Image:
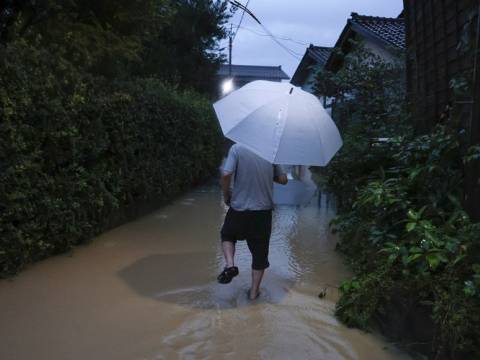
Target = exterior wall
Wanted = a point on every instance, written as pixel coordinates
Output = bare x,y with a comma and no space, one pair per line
374,48
443,41
378,50
308,84
434,31
298,171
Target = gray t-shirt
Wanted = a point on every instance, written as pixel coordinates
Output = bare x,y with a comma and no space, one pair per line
252,179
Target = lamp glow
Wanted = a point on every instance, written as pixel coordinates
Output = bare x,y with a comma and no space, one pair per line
227,86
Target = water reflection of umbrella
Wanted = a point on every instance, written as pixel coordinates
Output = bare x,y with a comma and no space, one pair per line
280,122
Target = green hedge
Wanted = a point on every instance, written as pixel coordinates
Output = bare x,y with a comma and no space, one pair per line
74,151
414,250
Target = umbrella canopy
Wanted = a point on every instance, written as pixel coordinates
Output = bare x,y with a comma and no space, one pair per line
279,122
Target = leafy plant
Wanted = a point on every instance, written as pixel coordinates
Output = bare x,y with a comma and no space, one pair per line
400,215
87,129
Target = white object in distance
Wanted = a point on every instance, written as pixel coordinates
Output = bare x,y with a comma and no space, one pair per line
227,86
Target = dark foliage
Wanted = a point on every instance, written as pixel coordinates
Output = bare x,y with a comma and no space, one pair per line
401,221
83,135
176,41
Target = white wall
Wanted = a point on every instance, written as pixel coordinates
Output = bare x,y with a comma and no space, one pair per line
308,85
378,50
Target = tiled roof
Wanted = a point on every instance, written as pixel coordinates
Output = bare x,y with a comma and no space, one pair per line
320,53
388,33
389,30
253,71
314,55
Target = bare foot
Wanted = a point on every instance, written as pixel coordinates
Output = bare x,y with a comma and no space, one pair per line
253,295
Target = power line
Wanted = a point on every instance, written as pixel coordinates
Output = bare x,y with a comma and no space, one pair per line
288,50
277,37
272,36
280,37
241,19
244,8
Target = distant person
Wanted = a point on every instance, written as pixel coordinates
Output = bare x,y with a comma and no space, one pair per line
247,184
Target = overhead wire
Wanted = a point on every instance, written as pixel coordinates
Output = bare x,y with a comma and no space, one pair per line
241,19
280,37
244,8
268,32
283,46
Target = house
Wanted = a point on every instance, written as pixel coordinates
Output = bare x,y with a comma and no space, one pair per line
315,57
443,65
235,76
384,37
381,36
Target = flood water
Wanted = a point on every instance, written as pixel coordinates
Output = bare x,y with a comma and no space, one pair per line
148,290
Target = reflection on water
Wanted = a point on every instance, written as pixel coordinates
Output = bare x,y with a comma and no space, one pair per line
147,290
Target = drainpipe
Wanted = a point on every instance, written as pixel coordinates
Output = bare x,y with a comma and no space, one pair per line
230,45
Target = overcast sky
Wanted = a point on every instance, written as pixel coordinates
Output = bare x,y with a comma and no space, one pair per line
319,22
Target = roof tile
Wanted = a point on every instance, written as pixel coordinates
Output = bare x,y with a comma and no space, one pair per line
270,72
390,30
320,53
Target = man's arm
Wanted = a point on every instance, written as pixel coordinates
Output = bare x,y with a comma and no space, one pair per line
225,181
229,168
281,179
279,175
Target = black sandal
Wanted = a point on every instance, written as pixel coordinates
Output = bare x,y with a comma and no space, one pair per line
227,275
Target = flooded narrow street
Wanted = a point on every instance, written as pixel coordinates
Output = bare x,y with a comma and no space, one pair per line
148,290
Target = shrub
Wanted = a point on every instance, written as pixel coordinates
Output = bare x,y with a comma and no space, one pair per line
75,150
400,218
407,233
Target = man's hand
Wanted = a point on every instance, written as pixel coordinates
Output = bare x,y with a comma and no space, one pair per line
281,179
227,198
227,195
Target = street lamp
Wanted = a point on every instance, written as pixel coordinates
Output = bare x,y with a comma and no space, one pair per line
227,86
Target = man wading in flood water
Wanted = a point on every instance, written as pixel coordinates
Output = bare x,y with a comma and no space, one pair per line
249,216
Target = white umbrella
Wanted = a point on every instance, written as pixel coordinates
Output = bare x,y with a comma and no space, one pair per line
279,122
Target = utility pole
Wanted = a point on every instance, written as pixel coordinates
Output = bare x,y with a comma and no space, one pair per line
228,84
230,38
230,45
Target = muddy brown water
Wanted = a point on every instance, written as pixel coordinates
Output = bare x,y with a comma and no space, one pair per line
147,290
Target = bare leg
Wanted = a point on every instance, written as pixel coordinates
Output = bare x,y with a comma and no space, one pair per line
228,252
257,276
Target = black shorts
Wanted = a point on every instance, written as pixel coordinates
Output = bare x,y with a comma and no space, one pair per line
253,226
